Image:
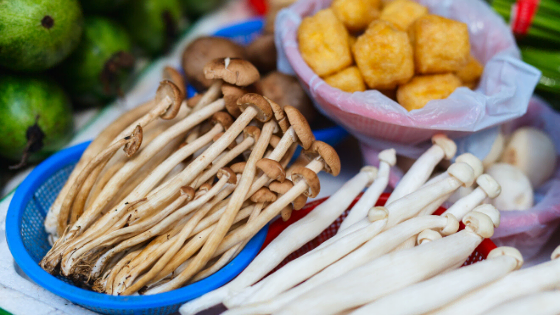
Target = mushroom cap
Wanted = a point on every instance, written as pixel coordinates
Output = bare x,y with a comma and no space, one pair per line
491,212
264,111
263,195
134,141
171,74
427,236
191,102
452,225
204,187
286,90
371,171
310,178
203,50
231,94
222,118
479,223
489,185
377,213
232,178
286,213
507,251
262,53
462,172
280,187
388,156
251,131
474,162
189,191
449,147
232,70
239,167
169,89
299,202
274,140
301,126
327,153
279,115
273,169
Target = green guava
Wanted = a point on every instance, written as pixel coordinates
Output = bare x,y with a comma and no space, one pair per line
35,118
96,70
37,34
153,24
101,6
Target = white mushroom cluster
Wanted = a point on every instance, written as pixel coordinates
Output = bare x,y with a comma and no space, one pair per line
197,180
374,253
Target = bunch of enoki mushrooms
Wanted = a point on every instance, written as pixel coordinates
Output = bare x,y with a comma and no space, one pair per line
197,180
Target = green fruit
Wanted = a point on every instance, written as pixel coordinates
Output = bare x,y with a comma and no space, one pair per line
35,117
37,34
197,8
101,6
153,24
95,72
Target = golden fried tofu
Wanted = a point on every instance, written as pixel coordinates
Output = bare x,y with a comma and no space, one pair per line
402,13
440,45
384,56
349,80
352,41
355,14
324,43
422,89
471,72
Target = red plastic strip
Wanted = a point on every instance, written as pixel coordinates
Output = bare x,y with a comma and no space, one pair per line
522,14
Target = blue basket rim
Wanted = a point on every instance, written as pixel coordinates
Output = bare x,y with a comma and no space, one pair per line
77,295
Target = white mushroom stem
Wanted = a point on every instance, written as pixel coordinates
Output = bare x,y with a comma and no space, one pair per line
394,271
421,170
377,245
292,238
213,92
185,233
542,277
387,158
236,201
543,303
421,298
306,266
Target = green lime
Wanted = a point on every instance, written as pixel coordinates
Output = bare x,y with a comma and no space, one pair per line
35,118
37,34
153,24
96,70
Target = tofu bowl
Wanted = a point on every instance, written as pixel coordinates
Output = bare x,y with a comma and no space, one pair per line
391,79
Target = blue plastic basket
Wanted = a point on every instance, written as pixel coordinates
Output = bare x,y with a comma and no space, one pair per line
28,243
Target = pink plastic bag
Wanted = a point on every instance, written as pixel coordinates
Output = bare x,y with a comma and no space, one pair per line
502,95
527,230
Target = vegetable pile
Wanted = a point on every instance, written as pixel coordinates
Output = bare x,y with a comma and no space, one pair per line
190,190
401,50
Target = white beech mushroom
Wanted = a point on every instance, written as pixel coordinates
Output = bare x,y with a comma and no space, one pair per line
487,188
495,151
533,152
393,271
542,277
543,303
517,191
375,246
450,286
387,159
421,170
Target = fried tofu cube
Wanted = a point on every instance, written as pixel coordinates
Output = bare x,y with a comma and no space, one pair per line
402,13
349,80
471,72
422,89
355,14
384,56
440,45
324,43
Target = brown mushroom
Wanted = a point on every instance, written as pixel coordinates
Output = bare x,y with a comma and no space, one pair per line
280,189
232,70
301,127
203,50
263,195
262,53
279,115
272,169
191,102
310,177
231,94
259,103
286,90
323,151
169,89
238,167
274,140
171,74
